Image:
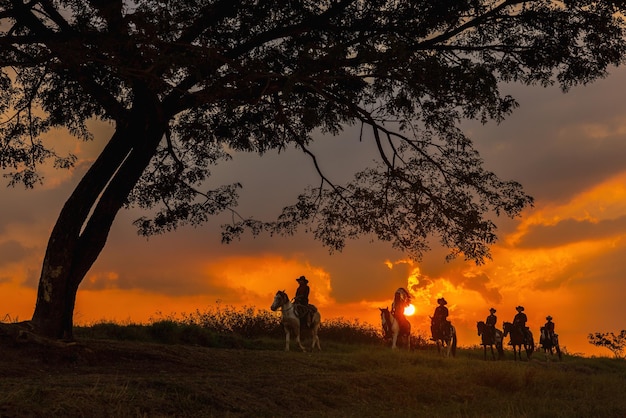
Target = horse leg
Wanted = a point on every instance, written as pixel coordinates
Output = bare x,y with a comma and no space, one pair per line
529,351
493,355
286,338
316,338
293,326
297,332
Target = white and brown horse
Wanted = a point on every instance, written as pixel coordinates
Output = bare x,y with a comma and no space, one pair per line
444,336
392,329
549,343
292,323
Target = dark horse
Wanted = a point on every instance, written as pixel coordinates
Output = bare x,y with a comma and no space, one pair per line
549,343
519,340
445,337
490,336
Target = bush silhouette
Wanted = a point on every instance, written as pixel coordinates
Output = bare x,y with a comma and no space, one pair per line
615,343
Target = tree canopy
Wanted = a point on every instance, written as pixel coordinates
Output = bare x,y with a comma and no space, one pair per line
186,84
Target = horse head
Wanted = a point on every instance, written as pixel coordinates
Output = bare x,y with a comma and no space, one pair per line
480,325
384,315
385,319
280,299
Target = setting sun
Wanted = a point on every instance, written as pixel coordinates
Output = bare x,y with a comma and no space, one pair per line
409,310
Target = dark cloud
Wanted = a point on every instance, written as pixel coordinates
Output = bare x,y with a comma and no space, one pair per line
479,283
605,271
170,275
557,144
12,252
32,277
571,231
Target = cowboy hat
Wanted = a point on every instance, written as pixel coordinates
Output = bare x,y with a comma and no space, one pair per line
442,300
302,279
492,310
549,318
519,308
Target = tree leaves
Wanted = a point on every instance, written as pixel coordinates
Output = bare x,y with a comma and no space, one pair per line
257,76
615,343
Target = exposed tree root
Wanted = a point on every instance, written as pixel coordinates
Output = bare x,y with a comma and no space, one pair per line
24,332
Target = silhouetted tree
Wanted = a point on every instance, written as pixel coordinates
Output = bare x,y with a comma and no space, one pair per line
184,83
615,343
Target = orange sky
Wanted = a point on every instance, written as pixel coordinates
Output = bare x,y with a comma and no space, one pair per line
565,257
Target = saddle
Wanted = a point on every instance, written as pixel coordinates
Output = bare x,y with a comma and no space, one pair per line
304,312
525,332
548,336
441,329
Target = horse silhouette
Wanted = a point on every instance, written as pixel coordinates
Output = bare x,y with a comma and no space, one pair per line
519,339
392,328
490,336
292,323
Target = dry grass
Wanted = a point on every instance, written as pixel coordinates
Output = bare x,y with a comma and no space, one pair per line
110,378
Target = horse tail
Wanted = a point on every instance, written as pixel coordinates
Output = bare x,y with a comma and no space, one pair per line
530,347
453,349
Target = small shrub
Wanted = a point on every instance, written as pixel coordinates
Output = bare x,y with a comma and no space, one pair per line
615,343
230,327
345,331
111,330
165,331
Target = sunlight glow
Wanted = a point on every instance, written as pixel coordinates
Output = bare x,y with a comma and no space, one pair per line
409,310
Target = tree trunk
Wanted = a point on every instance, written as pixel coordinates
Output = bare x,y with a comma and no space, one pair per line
83,225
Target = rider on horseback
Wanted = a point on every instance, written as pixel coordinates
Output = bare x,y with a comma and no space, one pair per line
549,326
302,299
400,301
520,320
491,321
439,318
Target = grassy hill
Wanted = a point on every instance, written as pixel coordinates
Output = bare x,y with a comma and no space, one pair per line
229,362
122,378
